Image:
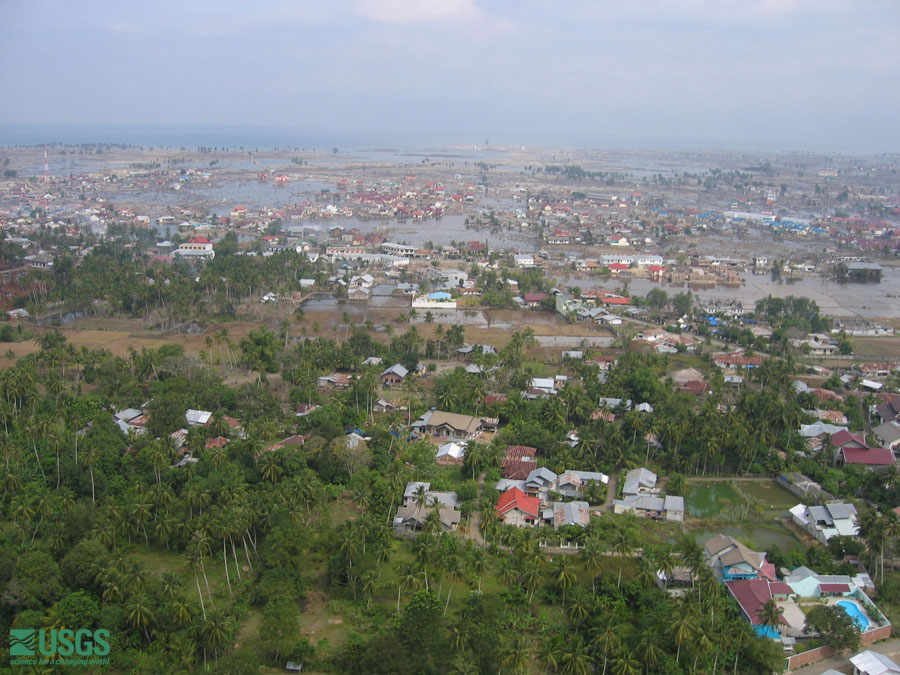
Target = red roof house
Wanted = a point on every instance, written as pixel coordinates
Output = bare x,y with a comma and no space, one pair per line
516,508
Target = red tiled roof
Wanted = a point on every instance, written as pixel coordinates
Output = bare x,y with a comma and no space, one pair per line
514,498
599,414
751,595
694,387
834,588
844,437
780,588
534,297
520,451
217,442
740,360
517,469
870,457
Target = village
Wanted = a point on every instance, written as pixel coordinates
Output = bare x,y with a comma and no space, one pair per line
568,369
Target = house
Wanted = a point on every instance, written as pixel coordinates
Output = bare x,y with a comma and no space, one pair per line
534,299
471,351
452,425
394,375
517,469
358,294
382,405
888,434
872,663
451,454
730,559
669,507
824,522
411,519
674,508
524,260
889,410
305,409
518,509
572,483
806,583
751,595
334,381
639,481
198,417
874,458
560,514
540,479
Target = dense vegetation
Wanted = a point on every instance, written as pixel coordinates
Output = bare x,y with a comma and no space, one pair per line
215,563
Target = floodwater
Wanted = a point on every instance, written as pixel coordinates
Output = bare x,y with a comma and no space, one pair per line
853,299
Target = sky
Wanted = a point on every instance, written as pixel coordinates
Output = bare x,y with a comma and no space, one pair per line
755,74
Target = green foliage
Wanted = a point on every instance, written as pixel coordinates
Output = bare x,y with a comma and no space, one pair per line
837,629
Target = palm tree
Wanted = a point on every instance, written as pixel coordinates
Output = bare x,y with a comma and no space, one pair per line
575,658
626,664
770,614
648,647
623,545
214,633
682,628
182,612
608,638
139,614
563,575
517,654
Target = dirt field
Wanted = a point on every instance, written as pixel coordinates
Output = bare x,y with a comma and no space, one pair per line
887,347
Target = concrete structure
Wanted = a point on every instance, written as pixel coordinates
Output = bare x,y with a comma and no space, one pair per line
827,521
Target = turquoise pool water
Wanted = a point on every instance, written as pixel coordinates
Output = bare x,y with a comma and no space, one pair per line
855,614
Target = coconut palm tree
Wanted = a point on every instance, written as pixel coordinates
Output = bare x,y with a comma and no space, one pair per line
770,614
139,614
608,638
516,653
575,658
682,628
563,575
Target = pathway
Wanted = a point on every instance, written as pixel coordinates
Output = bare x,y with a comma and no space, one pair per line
474,530
841,662
610,493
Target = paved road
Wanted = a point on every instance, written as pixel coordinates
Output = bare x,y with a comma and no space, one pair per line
841,662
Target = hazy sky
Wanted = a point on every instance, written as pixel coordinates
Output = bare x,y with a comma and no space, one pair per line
808,74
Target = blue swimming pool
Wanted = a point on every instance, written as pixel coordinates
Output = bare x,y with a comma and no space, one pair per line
855,614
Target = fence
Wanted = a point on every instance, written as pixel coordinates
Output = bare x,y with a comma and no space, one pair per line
819,653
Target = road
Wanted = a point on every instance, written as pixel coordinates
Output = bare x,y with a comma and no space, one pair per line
474,531
841,663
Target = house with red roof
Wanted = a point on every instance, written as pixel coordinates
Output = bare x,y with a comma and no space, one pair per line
516,508
874,458
534,299
751,595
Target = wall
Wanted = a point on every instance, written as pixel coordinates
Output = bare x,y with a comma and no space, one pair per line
814,655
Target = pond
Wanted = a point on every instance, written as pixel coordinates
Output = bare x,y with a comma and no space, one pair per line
758,537
769,493
712,500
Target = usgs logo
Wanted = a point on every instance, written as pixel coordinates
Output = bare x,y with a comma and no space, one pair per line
58,642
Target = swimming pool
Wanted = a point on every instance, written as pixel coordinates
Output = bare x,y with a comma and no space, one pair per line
855,614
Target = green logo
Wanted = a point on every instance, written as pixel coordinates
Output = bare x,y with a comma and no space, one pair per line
21,641
61,642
